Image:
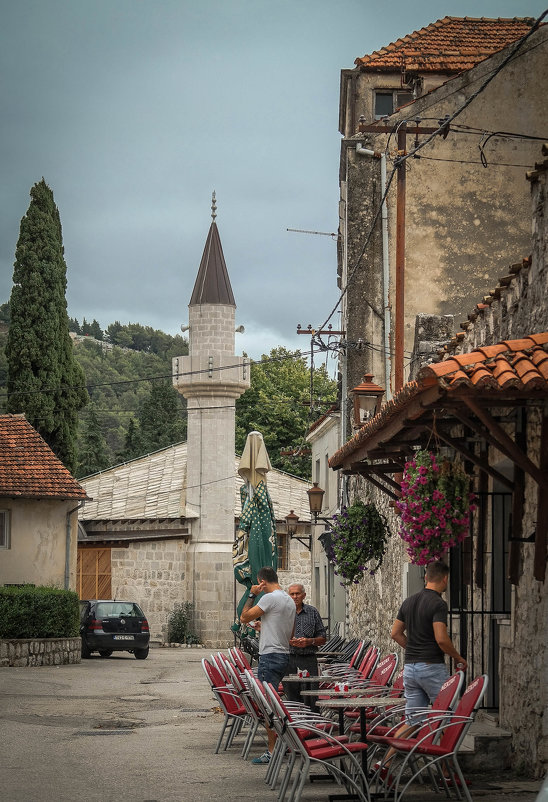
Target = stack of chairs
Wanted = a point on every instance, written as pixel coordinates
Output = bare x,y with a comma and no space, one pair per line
432,750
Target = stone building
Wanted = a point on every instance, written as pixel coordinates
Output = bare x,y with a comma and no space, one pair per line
485,405
463,203
160,528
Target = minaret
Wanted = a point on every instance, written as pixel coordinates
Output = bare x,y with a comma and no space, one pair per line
211,378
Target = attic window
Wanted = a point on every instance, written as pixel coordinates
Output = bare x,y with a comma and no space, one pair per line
4,529
386,103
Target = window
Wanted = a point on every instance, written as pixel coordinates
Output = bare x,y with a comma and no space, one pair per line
386,103
283,551
4,529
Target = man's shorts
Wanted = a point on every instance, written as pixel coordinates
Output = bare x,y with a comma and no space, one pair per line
273,667
422,682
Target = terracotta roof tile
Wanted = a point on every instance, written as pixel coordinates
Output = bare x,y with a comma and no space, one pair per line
28,466
450,45
511,366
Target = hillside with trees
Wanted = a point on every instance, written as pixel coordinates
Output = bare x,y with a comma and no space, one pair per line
133,409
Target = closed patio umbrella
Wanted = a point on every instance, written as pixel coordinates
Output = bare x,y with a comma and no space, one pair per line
255,545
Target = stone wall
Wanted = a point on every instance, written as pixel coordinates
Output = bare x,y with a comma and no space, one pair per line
40,651
373,603
154,575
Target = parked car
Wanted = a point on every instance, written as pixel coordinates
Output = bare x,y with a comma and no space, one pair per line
108,626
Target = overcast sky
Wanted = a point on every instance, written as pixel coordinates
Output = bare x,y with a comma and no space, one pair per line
134,111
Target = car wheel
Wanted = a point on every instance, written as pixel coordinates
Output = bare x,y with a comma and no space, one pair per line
105,652
141,654
86,651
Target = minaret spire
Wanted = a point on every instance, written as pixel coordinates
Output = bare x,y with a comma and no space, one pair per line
213,207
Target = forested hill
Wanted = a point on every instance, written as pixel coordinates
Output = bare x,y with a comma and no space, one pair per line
134,409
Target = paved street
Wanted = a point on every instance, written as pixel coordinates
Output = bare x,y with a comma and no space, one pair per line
125,729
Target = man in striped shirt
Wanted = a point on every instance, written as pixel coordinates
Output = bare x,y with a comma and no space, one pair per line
309,635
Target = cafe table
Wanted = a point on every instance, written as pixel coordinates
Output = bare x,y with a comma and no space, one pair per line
363,703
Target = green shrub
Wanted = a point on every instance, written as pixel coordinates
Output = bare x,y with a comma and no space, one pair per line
38,612
179,627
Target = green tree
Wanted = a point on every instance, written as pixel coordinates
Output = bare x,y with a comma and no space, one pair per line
5,312
93,453
44,380
161,418
278,405
95,330
133,443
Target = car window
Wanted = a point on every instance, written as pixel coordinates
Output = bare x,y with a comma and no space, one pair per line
83,609
117,609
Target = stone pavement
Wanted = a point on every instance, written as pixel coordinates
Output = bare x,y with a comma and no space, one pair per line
142,731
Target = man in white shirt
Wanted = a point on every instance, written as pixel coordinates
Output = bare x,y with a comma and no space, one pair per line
276,610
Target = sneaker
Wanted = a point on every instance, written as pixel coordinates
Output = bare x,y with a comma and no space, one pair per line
264,758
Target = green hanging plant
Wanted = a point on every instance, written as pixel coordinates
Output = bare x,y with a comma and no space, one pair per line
358,543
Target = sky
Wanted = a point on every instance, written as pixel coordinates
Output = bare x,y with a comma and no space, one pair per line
134,111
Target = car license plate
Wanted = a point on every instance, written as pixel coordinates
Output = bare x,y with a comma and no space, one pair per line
122,637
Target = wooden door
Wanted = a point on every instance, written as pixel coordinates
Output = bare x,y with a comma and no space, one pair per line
94,573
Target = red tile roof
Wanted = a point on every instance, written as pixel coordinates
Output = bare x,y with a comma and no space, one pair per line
28,466
450,45
512,367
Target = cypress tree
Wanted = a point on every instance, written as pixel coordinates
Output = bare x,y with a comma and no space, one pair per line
44,380
160,417
93,450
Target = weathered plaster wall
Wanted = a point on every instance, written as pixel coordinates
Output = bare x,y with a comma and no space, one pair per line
464,222
38,543
153,574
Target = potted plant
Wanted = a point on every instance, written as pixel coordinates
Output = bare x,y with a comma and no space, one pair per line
358,541
435,506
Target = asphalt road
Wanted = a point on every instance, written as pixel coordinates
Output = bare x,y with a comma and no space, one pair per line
140,730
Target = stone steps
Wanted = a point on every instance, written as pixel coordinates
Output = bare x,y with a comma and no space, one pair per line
486,747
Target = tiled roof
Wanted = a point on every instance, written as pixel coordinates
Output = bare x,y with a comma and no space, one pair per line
450,45
511,367
155,486
28,466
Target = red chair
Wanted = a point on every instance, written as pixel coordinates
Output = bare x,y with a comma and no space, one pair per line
335,669
425,754
444,702
234,712
339,758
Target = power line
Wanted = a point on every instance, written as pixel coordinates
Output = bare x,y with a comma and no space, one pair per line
401,159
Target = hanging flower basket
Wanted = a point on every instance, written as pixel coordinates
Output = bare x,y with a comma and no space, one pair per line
358,541
435,507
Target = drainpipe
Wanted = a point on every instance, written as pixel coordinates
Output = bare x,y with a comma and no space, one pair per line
385,266
67,544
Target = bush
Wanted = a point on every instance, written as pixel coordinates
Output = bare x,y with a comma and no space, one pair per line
179,628
38,612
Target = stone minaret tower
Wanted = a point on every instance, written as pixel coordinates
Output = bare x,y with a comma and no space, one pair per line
211,379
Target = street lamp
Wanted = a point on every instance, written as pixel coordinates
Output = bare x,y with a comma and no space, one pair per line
315,500
367,400
291,521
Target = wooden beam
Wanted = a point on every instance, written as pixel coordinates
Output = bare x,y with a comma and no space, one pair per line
382,487
506,445
479,461
391,482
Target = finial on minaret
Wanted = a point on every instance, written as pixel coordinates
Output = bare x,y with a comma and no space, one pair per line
213,207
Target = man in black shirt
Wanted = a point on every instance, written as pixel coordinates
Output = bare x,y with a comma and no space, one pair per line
421,629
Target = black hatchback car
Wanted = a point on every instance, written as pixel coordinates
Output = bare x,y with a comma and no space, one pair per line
108,626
